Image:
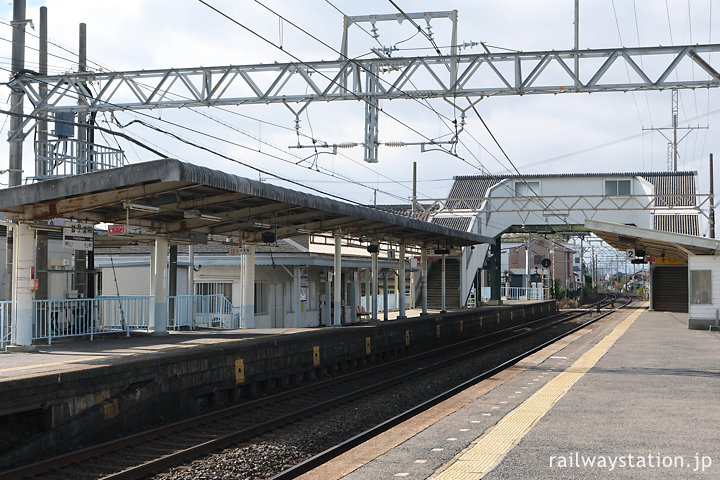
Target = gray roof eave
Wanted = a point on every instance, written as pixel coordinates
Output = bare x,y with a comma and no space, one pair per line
171,170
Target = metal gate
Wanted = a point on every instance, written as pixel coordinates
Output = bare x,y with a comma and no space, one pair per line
670,289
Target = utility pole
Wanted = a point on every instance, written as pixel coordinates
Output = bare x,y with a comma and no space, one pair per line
674,142
80,279
41,246
17,95
712,199
577,42
42,126
16,121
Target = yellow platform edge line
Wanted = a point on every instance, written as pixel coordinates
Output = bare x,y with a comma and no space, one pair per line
168,348
484,455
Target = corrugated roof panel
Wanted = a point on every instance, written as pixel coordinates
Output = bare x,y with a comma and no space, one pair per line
673,190
458,223
677,223
470,187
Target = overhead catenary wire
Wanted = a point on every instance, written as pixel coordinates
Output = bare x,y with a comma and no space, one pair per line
297,59
492,135
442,117
242,146
369,73
245,164
177,137
276,125
67,122
264,39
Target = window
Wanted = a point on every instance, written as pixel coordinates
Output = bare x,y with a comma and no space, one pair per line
261,298
701,287
214,289
617,187
527,189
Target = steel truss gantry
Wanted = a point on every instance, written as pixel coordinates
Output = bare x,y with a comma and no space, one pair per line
370,80
564,206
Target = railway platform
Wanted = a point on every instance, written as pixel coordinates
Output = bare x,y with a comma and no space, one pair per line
634,397
74,354
81,392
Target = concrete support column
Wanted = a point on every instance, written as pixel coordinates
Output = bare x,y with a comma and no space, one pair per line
354,291
328,299
401,281
152,271
22,305
297,302
248,287
41,263
172,282
495,249
337,282
396,292
374,287
385,295
191,270
368,288
423,280
159,312
442,291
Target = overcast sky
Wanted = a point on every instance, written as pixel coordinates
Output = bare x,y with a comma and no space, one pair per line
540,133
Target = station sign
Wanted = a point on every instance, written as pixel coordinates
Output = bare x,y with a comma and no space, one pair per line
116,229
663,260
668,261
78,236
239,250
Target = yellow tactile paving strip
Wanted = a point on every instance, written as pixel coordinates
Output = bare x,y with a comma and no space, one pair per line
373,448
489,450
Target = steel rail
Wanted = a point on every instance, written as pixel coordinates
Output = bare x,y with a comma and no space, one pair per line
216,443
343,447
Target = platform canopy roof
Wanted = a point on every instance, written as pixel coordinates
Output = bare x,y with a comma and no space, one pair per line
653,242
187,202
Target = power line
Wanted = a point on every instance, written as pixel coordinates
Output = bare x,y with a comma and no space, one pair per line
442,117
475,110
320,73
227,157
207,116
419,28
66,122
349,180
55,44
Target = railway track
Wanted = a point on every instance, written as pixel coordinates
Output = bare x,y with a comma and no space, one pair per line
140,455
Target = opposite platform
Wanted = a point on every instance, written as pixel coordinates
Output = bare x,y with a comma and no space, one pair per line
632,397
73,394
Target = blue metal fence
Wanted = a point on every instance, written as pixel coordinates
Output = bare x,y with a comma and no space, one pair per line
95,316
4,322
190,311
89,316
522,293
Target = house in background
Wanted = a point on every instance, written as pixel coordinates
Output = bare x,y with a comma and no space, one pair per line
492,205
561,256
